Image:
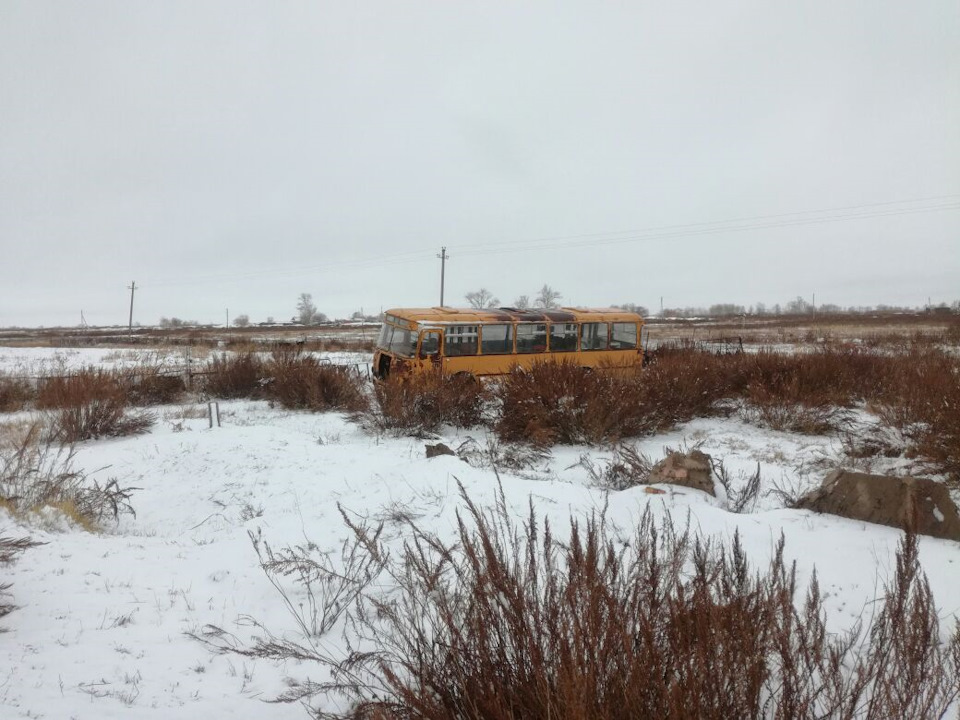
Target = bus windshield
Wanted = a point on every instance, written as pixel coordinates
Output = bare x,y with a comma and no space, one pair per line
398,341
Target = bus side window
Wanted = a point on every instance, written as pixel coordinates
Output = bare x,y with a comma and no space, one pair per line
624,336
430,345
531,337
460,340
563,337
593,336
496,339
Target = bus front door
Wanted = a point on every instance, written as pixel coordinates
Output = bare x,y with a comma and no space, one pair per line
430,347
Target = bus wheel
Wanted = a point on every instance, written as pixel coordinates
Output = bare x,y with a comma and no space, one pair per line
466,378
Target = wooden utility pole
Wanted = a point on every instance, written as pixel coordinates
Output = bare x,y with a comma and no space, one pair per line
133,288
443,269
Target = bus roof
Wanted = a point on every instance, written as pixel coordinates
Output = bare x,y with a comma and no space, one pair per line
446,315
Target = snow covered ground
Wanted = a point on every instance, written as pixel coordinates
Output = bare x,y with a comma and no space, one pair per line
40,362
101,631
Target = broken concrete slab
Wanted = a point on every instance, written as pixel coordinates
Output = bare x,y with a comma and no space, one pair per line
920,503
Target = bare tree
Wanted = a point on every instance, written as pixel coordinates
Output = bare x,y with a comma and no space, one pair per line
305,308
548,297
481,299
522,302
798,307
241,320
634,308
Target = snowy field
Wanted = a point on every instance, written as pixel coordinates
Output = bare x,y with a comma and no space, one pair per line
102,627
36,362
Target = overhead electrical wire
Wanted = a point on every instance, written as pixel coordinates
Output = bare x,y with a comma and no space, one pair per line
713,230
660,228
663,232
383,260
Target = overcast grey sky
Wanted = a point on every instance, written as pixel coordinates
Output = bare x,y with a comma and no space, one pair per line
234,154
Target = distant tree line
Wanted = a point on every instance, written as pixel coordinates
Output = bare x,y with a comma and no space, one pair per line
798,306
548,297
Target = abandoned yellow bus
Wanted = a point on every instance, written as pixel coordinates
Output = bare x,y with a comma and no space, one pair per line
483,343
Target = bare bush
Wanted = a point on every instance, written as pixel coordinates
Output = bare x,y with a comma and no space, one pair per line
90,404
561,403
422,404
497,455
302,382
921,401
36,474
10,548
316,590
768,409
683,383
15,393
319,593
235,375
742,492
507,621
789,494
627,468
149,385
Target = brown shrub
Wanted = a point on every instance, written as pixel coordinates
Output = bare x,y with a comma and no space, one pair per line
238,375
15,393
921,400
150,386
302,382
782,409
90,404
832,375
508,622
915,389
424,403
684,383
563,403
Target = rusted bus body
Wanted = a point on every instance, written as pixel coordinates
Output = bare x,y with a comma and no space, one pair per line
490,342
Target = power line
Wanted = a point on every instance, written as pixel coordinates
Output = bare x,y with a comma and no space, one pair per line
756,218
383,260
533,245
760,222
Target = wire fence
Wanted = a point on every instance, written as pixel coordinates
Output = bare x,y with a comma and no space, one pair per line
136,374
